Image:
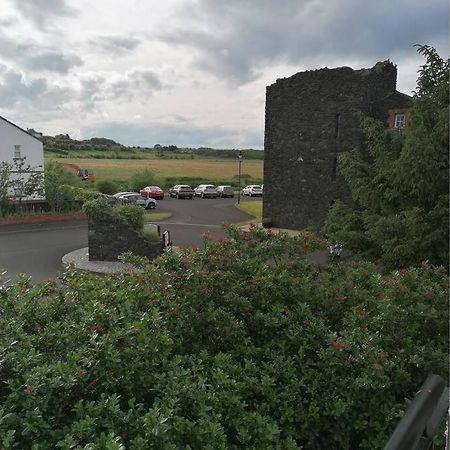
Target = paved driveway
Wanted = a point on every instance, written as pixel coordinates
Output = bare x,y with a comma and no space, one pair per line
190,218
37,249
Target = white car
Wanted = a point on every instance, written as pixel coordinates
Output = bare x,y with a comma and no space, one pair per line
137,199
252,190
205,190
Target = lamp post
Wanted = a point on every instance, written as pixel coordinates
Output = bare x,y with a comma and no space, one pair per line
239,176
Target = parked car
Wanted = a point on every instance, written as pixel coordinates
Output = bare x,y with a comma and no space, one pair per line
205,190
225,191
152,192
119,194
137,199
181,191
252,190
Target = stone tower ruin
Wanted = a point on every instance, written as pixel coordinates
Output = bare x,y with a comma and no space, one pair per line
310,118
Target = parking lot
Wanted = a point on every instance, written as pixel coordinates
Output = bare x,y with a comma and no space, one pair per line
190,218
37,249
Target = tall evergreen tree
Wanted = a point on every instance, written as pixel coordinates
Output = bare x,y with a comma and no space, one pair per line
401,190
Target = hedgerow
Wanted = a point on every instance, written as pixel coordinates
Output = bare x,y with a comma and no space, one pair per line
99,210
238,344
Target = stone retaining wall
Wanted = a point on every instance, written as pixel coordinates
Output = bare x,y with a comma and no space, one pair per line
107,240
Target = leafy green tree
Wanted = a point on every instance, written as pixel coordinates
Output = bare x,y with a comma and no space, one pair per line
401,191
18,180
58,181
106,187
141,179
5,182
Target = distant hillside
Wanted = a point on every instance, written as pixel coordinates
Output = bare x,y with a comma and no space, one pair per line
64,146
66,143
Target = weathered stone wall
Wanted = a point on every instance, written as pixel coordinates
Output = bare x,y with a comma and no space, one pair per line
310,118
107,240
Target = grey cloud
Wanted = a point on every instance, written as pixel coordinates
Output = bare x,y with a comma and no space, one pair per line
138,83
53,62
116,45
234,39
120,89
149,134
31,55
7,21
90,91
42,12
11,49
146,78
13,87
33,95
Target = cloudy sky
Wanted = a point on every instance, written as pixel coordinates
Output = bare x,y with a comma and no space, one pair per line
190,72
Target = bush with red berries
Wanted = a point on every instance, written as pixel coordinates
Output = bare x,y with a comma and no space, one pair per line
238,344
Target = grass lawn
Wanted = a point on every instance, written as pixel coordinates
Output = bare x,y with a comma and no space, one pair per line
254,208
212,170
156,216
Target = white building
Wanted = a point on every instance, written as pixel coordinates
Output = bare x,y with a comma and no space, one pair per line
16,143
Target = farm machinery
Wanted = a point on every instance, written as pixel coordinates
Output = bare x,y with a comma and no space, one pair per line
84,174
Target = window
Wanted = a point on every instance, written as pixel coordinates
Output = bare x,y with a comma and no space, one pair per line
399,121
17,151
334,169
337,120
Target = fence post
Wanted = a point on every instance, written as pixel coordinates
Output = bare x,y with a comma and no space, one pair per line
166,239
418,426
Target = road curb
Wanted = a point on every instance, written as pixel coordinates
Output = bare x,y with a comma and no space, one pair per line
79,259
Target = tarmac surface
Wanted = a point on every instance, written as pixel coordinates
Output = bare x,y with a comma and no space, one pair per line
37,249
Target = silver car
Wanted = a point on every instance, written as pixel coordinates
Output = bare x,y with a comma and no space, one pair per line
137,199
205,190
119,194
225,191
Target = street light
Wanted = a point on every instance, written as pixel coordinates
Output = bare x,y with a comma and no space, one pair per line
239,176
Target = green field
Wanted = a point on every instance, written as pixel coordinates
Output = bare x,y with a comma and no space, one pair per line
213,170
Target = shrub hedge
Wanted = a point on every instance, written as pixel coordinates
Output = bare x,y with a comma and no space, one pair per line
99,210
108,187
141,179
238,344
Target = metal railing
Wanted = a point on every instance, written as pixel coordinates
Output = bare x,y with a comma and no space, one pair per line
421,421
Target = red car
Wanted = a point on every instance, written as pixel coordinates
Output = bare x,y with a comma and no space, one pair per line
152,192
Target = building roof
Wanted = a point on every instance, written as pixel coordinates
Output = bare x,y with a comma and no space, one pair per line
21,129
395,99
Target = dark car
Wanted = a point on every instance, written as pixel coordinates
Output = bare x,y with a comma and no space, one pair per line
181,191
225,191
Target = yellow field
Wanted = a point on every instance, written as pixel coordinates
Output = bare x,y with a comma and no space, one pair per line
210,170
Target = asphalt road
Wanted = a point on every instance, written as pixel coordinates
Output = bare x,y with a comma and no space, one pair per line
191,218
37,249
